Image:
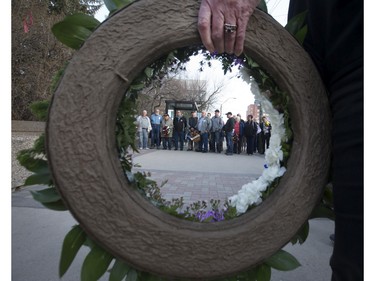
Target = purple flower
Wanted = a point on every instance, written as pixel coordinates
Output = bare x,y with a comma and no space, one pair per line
214,215
238,61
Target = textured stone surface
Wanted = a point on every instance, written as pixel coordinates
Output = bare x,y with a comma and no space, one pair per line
82,153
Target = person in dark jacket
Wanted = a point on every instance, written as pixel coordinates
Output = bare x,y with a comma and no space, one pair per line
229,130
250,131
179,125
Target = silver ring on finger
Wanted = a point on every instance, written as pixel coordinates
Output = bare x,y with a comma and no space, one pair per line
230,28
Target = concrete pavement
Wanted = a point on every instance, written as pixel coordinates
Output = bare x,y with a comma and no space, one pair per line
199,176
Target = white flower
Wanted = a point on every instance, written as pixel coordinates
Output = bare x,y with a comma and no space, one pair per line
241,204
275,140
270,173
261,184
273,156
251,193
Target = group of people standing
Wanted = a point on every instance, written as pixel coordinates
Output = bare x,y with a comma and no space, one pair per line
204,134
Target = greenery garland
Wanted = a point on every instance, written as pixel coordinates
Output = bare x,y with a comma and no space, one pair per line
98,261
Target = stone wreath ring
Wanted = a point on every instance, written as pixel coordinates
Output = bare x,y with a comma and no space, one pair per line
82,152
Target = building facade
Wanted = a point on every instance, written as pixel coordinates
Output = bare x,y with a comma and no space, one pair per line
254,110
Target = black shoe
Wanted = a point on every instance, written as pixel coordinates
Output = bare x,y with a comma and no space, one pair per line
175,149
198,150
204,151
228,153
164,148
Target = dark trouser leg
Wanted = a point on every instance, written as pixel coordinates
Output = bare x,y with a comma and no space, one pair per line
169,141
346,98
267,140
175,139
157,135
239,146
164,143
250,143
217,141
181,139
230,142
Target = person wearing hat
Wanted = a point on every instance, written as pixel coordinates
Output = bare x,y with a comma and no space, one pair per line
229,128
166,131
217,124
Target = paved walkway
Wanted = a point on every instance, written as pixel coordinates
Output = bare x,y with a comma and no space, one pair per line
197,176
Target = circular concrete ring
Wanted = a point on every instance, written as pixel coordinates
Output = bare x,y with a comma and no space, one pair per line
83,157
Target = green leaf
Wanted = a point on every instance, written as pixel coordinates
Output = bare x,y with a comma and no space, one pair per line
145,276
95,264
40,109
47,195
137,87
283,261
301,34
26,159
86,21
113,5
71,35
149,71
118,271
250,275
302,234
263,6
56,206
75,29
322,211
132,275
263,273
328,195
296,23
72,243
43,177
